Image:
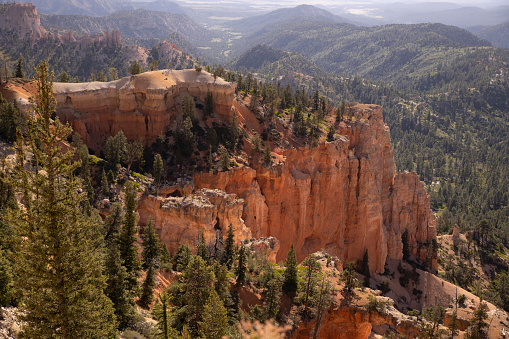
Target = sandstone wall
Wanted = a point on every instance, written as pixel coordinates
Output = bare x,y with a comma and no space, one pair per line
343,196
143,106
24,18
181,220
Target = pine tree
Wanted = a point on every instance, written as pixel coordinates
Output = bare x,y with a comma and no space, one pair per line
85,173
151,246
188,106
10,115
158,168
116,148
229,248
116,288
59,265
165,257
267,156
242,266
209,104
214,324
19,68
127,237
162,313
147,289
181,258
290,275
349,278
365,269
312,266
194,289
478,325
202,250
6,279
272,293
105,187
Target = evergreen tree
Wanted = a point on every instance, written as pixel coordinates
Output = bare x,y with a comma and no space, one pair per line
311,267
188,106
185,139
147,290
478,325
151,246
222,287
59,265
242,266
127,237
214,324
272,292
64,77
6,279
365,269
290,275
133,154
162,313
202,250
209,104
229,248
191,292
85,173
181,258
10,116
116,147
267,156
116,287
349,278
136,67
224,158
158,168
19,68
165,257
105,186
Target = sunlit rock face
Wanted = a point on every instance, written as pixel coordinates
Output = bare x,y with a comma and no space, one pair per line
343,196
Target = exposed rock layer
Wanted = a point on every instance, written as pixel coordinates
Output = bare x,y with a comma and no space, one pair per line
143,106
343,196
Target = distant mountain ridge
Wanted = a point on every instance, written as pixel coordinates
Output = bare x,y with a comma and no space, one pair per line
302,12
138,24
101,7
271,61
498,34
380,53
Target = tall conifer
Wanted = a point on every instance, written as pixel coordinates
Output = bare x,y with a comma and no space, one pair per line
59,265
127,237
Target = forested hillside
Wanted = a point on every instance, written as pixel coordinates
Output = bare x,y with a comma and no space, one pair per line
139,24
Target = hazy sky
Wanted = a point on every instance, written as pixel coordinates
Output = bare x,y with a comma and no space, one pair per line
287,3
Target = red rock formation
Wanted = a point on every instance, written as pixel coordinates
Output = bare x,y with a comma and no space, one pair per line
143,106
343,196
182,219
23,20
348,322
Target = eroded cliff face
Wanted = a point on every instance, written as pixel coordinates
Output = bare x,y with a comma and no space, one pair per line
343,196
143,106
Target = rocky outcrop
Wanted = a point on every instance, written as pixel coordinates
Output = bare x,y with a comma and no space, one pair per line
181,219
143,106
267,247
342,196
25,20
347,322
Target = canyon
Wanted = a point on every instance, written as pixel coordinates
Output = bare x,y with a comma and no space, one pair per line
343,196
